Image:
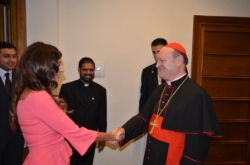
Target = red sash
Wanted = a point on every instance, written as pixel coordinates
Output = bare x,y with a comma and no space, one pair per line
176,141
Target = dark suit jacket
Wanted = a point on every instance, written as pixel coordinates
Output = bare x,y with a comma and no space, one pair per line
149,81
6,134
91,114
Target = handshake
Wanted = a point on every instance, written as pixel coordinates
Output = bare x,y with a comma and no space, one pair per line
117,135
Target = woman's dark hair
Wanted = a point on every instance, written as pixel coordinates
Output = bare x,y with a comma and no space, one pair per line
36,70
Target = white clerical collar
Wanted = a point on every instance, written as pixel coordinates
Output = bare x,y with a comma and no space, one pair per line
169,82
85,84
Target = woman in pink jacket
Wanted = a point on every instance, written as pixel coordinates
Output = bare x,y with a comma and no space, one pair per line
43,123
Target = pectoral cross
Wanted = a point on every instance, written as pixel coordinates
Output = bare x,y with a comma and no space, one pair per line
153,124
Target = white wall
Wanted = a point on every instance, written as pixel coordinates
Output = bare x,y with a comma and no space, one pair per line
119,33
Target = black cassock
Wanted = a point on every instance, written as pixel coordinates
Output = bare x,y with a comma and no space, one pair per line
183,130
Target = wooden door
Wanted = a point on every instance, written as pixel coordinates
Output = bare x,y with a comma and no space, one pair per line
221,64
16,24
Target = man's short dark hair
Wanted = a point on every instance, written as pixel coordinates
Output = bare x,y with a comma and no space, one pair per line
85,60
8,45
159,41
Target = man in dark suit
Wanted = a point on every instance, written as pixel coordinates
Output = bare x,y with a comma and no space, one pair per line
88,101
149,77
11,144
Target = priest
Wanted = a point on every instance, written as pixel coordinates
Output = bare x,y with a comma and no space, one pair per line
178,117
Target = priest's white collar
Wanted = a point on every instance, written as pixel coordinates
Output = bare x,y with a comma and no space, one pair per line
169,82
